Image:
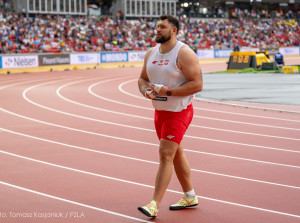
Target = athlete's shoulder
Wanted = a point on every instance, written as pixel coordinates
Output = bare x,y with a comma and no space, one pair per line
148,53
186,49
186,53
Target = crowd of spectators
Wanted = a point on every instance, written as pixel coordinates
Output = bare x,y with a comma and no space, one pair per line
263,13
244,32
46,33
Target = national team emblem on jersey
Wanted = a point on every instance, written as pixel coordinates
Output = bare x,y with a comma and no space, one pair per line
161,63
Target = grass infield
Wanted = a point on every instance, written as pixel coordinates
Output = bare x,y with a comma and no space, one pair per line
249,70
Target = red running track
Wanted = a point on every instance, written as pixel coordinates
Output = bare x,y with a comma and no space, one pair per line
80,146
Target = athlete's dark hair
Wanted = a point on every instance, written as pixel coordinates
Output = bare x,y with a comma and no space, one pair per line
171,19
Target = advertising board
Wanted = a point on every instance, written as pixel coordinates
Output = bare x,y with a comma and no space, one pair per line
223,53
114,57
289,50
136,56
205,53
54,59
19,61
86,58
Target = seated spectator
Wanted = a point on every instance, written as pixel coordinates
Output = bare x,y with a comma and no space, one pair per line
46,33
279,59
236,48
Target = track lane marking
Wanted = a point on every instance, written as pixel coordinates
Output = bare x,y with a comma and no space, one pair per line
197,116
129,182
141,142
222,155
97,120
206,109
135,141
73,202
247,106
192,125
140,160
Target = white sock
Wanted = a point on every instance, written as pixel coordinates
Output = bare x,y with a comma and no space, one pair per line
155,205
190,194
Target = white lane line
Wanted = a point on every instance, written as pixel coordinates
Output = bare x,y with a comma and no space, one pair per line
247,123
92,107
247,106
110,100
141,117
97,108
12,80
139,160
245,133
77,147
247,115
130,182
58,93
28,89
141,142
72,202
205,109
127,126
42,79
188,150
197,126
15,84
135,141
77,130
26,82
197,116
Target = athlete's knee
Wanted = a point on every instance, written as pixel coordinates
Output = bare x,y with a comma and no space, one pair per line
165,155
167,151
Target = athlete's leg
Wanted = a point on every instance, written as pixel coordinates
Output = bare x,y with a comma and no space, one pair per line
183,172
167,150
182,169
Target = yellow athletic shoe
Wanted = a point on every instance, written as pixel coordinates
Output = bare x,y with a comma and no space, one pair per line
185,203
149,210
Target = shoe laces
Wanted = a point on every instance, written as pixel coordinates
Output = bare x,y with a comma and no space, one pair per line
182,201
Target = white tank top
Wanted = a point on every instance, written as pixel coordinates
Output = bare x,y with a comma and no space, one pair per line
162,69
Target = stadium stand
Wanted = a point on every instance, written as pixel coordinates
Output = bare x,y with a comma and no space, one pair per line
61,34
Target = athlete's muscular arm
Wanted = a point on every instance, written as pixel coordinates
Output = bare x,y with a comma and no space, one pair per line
143,81
188,63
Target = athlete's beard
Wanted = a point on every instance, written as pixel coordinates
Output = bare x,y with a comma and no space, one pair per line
163,39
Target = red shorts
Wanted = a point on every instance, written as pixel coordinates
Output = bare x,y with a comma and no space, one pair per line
173,125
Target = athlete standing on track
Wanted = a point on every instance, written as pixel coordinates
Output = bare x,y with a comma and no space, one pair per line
171,75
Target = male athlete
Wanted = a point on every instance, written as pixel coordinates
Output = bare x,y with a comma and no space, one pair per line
171,75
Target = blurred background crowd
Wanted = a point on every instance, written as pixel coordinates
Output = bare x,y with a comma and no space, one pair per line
20,33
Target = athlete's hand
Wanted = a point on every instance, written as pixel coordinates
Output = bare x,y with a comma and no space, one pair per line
149,93
159,88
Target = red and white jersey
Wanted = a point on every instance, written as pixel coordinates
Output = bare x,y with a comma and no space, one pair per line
162,69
